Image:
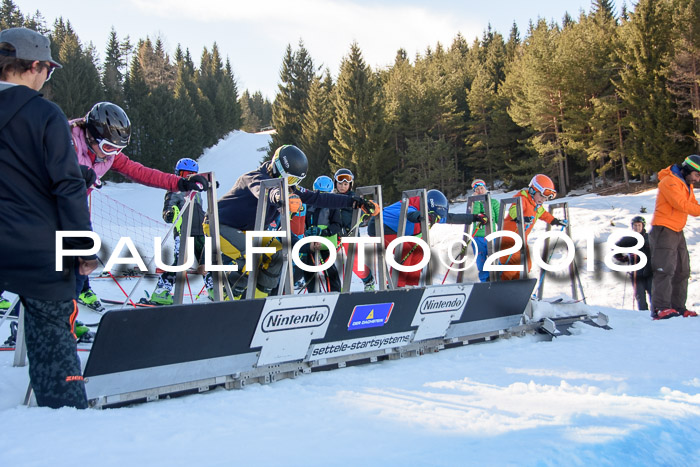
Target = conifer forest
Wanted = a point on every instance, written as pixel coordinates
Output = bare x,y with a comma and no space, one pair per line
603,97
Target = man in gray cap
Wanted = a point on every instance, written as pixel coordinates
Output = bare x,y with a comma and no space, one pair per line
47,194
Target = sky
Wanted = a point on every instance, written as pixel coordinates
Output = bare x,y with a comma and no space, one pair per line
625,396
254,35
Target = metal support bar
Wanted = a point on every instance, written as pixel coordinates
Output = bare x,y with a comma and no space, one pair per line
469,228
185,232
287,275
545,253
219,277
375,192
521,230
20,342
426,275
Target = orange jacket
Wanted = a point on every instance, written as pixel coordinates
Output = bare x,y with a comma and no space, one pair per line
675,200
529,210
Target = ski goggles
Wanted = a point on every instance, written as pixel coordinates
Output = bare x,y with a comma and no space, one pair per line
344,178
476,185
108,148
548,193
292,180
186,173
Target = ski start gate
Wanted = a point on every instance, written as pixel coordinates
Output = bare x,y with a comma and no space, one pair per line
143,354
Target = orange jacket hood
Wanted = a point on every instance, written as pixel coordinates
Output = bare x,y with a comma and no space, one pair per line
675,201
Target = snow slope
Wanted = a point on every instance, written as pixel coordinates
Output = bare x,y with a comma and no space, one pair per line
629,396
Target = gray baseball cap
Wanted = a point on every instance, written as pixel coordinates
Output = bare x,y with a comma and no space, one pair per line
29,45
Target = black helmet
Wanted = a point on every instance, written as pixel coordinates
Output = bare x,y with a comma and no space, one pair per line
343,175
638,219
289,161
691,163
437,203
107,121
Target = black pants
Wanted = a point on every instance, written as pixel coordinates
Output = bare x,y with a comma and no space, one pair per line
54,366
330,277
671,264
642,288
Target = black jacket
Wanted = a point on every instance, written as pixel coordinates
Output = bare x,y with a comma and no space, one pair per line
628,242
178,199
42,191
238,207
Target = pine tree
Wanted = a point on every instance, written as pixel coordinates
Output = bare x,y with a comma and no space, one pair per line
684,70
318,126
643,88
534,89
77,87
251,122
292,100
359,133
112,70
10,15
37,22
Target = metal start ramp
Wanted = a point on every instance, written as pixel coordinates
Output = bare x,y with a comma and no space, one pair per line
145,354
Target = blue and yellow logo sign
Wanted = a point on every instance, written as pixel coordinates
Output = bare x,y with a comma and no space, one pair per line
370,316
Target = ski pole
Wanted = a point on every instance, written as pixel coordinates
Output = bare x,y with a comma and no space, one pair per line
122,289
200,292
459,256
551,253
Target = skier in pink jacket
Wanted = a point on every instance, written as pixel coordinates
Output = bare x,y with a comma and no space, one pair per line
99,139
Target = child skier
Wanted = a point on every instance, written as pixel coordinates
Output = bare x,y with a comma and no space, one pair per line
323,222
344,183
172,206
438,213
642,278
479,187
541,189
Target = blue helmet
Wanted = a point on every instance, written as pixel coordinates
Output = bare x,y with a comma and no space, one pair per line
437,203
323,183
186,164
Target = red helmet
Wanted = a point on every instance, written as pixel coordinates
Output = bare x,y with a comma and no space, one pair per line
544,185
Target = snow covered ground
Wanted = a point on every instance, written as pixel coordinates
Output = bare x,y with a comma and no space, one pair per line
628,396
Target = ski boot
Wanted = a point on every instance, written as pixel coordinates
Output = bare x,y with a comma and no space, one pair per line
82,333
210,295
4,303
369,284
10,341
161,296
90,300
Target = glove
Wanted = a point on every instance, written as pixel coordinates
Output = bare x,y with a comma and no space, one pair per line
621,258
367,205
527,219
170,215
562,222
432,218
295,204
194,182
89,176
316,231
481,219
